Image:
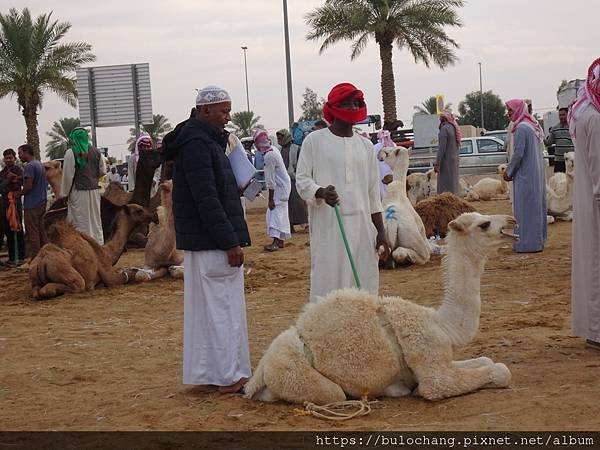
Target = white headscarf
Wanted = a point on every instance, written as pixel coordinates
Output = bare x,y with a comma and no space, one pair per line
211,95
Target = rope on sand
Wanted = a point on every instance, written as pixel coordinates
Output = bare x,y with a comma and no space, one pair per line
337,411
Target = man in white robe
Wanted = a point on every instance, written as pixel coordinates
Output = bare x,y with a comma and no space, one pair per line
83,166
279,186
337,165
210,228
584,121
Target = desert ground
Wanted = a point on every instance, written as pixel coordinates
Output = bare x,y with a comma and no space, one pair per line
111,359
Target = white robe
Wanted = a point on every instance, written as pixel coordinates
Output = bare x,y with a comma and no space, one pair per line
278,180
83,207
350,165
215,333
585,271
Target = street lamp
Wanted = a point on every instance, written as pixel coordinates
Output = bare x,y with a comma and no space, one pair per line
246,72
481,96
288,64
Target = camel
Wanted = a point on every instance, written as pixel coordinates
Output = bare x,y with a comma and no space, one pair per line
419,186
112,201
53,171
404,228
438,211
354,344
161,255
559,191
74,262
489,188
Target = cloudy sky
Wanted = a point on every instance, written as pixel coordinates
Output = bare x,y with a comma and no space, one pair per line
526,47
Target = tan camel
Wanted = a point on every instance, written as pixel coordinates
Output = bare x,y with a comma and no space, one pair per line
54,176
352,343
74,262
160,255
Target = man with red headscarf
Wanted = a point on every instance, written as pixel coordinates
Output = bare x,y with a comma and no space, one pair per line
526,171
584,119
447,161
338,166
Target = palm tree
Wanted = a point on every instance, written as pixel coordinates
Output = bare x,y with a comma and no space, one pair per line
33,60
59,137
429,106
157,129
243,123
414,25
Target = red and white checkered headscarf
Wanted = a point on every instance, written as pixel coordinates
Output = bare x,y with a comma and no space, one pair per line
452,121
589,94
520,114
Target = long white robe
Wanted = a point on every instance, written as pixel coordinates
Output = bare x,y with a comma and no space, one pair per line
83,207
278,180
585,272
215,333
350,165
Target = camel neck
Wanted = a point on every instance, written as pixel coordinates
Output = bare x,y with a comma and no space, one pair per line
116,245
459,313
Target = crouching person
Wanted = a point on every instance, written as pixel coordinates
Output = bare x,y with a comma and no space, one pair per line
210,228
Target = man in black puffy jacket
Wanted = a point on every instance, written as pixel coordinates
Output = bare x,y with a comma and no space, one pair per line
210,228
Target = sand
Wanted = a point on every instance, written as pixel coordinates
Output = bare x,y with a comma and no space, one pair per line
111,359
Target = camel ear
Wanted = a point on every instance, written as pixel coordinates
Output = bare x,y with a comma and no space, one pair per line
397,151
456,226
408,186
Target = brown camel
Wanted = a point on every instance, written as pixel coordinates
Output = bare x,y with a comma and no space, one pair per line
74,262
161,255
111,203
54,176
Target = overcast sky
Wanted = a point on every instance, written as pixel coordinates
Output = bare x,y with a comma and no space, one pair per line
526,46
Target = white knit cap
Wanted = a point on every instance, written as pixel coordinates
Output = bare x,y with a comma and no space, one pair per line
211,95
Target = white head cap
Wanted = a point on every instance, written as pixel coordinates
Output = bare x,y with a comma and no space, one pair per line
211,95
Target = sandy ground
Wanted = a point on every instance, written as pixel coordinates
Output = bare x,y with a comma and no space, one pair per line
111,359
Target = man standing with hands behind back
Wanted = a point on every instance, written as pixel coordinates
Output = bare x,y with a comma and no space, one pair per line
337,165
210,228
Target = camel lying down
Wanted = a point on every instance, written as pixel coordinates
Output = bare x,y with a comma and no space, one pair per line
352,344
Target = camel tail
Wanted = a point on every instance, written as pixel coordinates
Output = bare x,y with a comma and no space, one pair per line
257,383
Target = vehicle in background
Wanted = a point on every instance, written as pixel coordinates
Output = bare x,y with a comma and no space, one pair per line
500,134
478,155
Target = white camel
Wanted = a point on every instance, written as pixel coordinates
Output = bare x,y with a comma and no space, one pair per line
404,227
559,191
489,188
420,186
160,254
352,344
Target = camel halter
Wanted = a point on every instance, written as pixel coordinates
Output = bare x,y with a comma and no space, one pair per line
347,245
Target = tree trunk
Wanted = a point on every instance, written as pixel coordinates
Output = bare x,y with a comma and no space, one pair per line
388,89
33,138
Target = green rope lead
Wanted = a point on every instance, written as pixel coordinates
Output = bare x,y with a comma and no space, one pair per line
347,245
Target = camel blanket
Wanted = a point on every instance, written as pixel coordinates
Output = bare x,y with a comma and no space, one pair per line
350,165
215,333
83,206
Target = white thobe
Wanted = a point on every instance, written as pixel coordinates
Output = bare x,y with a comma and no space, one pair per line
585,275
350,165
278,180
83,207
215,333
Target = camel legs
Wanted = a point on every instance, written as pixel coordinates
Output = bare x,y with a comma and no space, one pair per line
473,363
289,376
407,256
397,389
110,277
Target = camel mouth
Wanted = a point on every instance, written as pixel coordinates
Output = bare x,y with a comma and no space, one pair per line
508,232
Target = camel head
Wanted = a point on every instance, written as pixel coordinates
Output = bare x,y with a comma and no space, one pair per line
502,169
570,164
481,235
134,215
395,157
53,170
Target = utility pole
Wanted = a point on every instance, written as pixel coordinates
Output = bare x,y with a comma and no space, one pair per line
246,72
481,96
288,65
